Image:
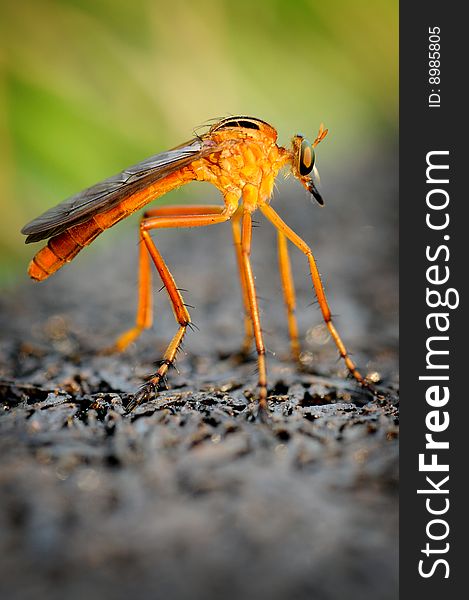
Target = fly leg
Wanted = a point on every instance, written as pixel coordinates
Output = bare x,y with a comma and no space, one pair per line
181,315
281,226
246,232
248,335
288,288
144,316
186,218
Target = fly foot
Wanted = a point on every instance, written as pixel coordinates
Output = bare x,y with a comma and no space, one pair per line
145,393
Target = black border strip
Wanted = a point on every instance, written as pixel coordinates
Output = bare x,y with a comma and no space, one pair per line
425,128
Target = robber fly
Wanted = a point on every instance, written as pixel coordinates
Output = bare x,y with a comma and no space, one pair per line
238,155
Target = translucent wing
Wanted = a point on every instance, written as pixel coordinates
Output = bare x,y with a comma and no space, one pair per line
104,195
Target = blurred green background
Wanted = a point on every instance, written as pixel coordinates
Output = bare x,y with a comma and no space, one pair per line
88,87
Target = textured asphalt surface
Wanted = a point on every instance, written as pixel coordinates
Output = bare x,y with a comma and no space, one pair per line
190,496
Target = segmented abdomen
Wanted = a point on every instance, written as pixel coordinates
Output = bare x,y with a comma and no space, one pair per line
62,248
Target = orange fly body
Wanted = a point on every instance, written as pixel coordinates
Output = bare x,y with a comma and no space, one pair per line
240,156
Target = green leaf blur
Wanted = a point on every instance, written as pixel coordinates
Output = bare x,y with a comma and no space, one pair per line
88,87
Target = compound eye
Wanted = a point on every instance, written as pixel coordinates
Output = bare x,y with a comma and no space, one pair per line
307,158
